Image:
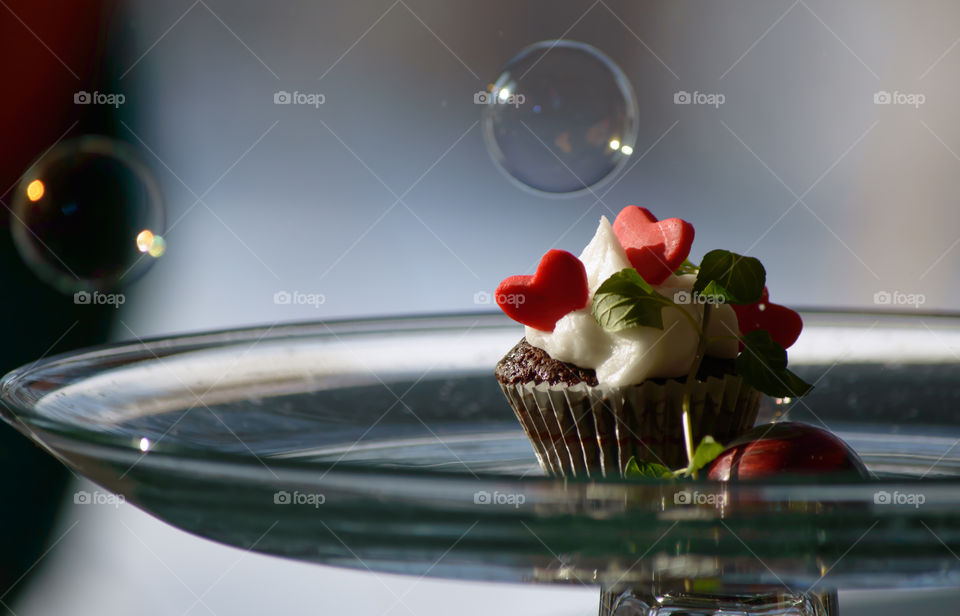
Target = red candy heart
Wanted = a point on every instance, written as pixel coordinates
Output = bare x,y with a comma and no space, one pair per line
558,287
783,324
655,248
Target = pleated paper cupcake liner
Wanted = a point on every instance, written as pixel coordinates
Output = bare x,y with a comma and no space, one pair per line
591,431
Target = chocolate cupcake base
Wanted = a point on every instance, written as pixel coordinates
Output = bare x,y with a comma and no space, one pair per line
581,429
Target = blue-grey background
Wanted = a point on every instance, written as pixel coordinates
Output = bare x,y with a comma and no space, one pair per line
840,197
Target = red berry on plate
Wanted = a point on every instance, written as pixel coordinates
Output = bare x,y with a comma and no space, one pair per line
785,448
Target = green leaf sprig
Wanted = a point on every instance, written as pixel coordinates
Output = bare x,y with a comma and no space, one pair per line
687,267
763,364
648,470
625,300
730,278
705,453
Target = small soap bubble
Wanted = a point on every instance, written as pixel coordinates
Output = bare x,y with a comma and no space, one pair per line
561,118
88,215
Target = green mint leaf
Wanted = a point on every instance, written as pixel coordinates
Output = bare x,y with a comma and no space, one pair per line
704,454
625,300
795,386
763,364
730,278
717,293
648,470
687,267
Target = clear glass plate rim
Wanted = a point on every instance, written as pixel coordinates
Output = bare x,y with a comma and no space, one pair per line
19,410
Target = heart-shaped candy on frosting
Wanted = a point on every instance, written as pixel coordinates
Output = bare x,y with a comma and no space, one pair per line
783,324
655,248
558,287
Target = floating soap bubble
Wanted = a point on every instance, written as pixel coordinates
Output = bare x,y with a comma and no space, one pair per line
88,215
561,117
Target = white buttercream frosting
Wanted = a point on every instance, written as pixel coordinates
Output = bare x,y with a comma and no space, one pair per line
631,356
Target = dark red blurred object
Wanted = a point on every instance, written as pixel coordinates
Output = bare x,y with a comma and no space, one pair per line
785,448
52,49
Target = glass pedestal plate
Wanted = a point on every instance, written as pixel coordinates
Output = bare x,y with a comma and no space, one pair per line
387,445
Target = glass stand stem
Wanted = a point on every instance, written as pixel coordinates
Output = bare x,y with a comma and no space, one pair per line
768,601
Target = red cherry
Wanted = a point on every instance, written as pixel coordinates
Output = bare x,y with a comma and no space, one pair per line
783,323
558,287
655,248
785,448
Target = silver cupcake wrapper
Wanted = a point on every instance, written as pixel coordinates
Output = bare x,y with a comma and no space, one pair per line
591,431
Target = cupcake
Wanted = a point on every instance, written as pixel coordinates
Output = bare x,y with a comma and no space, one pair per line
633,354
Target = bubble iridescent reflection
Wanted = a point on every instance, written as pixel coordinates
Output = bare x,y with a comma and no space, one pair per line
561,118
88,216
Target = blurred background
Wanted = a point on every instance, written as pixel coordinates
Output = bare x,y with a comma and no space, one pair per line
818,136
